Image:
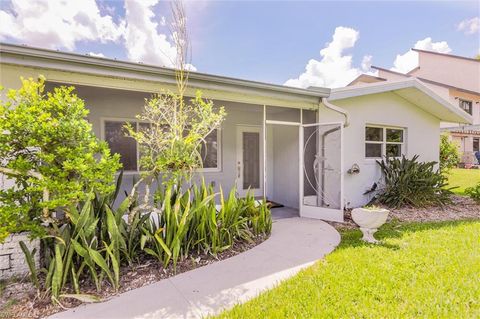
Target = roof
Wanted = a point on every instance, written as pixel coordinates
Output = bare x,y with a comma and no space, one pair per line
387,70
413,91
73,62
408,75
449,86
464,129
446,55
367,77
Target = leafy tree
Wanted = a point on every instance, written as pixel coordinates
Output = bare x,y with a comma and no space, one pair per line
48,149
170,147
449,155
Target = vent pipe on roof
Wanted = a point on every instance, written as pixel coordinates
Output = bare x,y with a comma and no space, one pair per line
337,109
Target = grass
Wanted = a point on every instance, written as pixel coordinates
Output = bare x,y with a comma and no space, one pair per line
427,270
463,178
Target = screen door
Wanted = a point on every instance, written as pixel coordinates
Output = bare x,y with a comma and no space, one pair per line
321,179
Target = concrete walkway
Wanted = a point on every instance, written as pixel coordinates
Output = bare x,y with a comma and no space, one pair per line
295,243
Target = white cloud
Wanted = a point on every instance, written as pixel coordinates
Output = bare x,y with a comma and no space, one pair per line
334,69
366,63
98,55
143,42
470,26
409,60
58,24
62,24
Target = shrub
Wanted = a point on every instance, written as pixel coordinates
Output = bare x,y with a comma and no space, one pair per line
48,149
449,154
94,240
409,182
191,221
474,192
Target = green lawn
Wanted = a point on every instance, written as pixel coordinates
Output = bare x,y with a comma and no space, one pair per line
429,270
463,178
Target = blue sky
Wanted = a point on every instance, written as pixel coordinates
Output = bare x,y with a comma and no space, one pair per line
269,41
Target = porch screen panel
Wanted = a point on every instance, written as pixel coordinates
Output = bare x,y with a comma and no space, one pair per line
120,144
322,166
251,160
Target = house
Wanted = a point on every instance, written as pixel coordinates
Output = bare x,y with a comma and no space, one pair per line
455,78
314,149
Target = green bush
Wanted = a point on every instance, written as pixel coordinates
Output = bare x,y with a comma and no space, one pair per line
474,192
410,182
94,240
90,244
48,149
449,154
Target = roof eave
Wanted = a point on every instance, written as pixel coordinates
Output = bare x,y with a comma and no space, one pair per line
109,64
459,116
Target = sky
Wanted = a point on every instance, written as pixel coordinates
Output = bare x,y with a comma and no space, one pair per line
295,43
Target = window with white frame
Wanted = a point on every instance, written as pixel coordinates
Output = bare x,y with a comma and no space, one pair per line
465,105
384,141
114,133
210,151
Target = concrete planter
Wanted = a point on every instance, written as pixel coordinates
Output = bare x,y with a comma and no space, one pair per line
12,259
369,220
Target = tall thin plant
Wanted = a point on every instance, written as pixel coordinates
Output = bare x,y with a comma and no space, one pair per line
178,125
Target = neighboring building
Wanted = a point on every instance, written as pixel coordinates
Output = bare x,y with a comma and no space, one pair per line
290,145
455,78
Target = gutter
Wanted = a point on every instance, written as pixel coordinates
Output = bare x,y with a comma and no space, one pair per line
337,109
346,123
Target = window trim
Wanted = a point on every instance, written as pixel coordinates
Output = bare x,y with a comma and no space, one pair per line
384,142
478,143
219,156
460,100
137,171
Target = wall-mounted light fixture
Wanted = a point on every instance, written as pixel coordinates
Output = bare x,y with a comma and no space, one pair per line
355,169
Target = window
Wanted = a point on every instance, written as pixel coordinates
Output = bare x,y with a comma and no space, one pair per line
467,106
130,152
210,151
476,144
384,141
115,136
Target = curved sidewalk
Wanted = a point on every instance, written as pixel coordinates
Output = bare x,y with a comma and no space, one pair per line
295,243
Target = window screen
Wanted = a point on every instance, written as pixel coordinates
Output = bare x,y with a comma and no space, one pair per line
126,147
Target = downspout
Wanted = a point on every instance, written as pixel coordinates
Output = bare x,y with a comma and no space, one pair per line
346,123
337,109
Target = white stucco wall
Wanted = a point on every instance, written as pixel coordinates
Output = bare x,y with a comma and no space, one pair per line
422,137
458,72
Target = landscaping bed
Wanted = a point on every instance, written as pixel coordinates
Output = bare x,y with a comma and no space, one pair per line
461,208
20,296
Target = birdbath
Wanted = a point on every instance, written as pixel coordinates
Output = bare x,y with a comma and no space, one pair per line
369,218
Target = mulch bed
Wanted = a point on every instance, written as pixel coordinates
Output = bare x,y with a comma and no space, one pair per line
461,208
19,299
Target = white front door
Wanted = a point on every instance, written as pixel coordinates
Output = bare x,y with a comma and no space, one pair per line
249,160
321,171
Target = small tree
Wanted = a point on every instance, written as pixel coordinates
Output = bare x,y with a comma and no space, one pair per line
170,147
48,149
449,155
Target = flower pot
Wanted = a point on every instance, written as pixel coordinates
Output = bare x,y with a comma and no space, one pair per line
369,220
